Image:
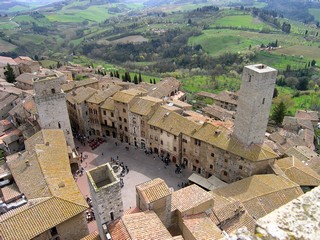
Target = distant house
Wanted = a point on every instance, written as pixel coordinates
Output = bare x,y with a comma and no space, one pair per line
4,61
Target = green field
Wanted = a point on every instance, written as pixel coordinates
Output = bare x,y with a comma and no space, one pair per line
93,13
310,52
6,46
280,61
315,12
7,25
196,84
239,21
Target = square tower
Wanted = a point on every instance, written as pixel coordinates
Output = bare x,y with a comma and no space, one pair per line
255,98
52,107
105,191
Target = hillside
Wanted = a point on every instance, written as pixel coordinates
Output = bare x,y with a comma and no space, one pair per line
203,45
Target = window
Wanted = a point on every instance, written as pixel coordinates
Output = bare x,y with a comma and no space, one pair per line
142,134
197,142
59,125
111,114
225,160
175,137
126,129
225,173
120,119
53,90
184,150
184,140
142,123
120,126
249,78
104,112
211,166
156,138
194,168
161,131
197,161
161,142
174,149
240,167
263,100
125,120
123,110
151,127
212,154
113,124
105,122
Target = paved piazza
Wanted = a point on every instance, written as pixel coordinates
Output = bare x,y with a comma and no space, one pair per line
142,168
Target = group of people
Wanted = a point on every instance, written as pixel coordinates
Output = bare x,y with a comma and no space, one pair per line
89,213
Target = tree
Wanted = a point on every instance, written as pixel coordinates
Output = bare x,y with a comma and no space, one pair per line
286,27
150,81
154,81
9,74
111,74
140,78
313,63
279,111
135,79
275,93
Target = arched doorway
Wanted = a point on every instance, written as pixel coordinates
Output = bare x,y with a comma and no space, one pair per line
156,150
174,159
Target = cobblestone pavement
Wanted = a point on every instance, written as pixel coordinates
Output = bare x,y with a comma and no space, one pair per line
142,168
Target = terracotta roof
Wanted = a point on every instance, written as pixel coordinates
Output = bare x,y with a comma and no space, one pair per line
303,153
46,160
125,96
218,112
10,192
101,96
298,172
206,94
219,137
164,87
76,84
8,101
230,214
261,194
92,236
173,122
26,78
145,225
153,190
201,227
118,231
143,105
81,94
108,104
28,222
30,105
311,115
226,96
5,60
189,197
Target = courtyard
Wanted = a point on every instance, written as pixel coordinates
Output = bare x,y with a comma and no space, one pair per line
142,167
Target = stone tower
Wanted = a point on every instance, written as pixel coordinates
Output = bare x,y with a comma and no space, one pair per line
255,97
105,191
52,107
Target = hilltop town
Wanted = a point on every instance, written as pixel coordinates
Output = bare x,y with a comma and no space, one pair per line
248,179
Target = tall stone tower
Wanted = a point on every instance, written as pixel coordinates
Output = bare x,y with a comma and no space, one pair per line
105,191
255,97
52,107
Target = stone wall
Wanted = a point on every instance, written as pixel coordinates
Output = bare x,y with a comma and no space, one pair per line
74,228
